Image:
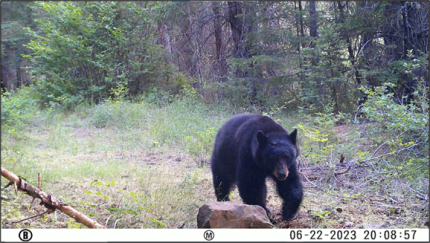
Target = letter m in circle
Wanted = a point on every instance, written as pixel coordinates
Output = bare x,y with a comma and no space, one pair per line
209,235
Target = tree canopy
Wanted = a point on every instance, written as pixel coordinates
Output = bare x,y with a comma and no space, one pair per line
312,56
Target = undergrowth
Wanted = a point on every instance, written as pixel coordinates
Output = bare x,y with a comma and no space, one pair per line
144,164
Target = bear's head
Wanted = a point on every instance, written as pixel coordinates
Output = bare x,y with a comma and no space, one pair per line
275,152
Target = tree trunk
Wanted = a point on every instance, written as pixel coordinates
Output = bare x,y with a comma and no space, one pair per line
404,30
299,51
408,37
186,47
238,28
302,32
348,41
221,67
165,38
313,25
18,73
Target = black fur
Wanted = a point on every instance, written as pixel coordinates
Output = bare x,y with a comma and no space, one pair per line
250,147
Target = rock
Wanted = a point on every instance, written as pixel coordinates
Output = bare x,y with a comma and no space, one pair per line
232,215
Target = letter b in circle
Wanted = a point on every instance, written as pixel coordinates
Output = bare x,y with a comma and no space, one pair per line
25,235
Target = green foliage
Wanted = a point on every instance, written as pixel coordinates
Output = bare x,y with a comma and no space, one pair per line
17,109
402,127
200,145
86,49
267,84
117,112
236,92
318,139
15,17
119,93
322,76
176,86
402,121
158,97
315,142
349,197
103,114
321,214
180,86
72,224
178,120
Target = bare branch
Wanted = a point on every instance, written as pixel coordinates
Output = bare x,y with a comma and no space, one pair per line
8,184
41,214
48,200
343,172
32,203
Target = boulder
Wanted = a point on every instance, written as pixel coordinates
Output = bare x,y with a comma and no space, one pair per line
232,215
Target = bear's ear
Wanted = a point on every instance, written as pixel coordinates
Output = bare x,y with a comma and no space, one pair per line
261,137
293,136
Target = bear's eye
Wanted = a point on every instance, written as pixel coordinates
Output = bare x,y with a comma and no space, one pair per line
273,144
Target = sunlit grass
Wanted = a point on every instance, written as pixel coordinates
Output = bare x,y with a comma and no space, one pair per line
130,172
136,165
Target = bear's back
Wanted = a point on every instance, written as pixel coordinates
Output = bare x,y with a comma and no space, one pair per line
227,138
240,129
253,123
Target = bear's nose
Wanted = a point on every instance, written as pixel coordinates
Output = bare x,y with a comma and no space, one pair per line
281,172
282,175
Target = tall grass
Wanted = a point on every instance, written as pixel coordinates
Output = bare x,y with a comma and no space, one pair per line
144,165
126,163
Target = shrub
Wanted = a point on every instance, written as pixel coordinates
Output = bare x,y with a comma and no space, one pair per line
17,109
401,128
84,49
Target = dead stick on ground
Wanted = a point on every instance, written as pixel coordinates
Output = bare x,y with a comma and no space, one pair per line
343,172
8,184
46,212
39,183
32,203
48,200
306,177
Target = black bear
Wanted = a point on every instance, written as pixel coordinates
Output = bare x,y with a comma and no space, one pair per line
250,147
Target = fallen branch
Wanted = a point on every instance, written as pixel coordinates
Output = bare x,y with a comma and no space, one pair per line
387,154
382,205
376,150
314,177
343,172
38,215
8,185
49,201
420,195
342,158
306,177
426,198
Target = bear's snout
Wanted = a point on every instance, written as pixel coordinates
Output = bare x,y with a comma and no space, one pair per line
281,171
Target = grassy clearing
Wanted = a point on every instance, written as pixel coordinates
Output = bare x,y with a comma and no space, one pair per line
139,165
126,165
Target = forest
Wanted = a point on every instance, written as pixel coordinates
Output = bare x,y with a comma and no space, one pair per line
117,104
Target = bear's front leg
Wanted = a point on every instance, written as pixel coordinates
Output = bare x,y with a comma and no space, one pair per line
291,191
253,191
